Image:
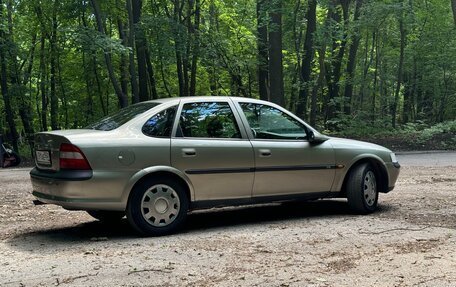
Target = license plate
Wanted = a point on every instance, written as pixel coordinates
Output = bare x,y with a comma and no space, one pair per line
43,157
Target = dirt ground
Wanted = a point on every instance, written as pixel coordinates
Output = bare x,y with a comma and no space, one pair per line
410,241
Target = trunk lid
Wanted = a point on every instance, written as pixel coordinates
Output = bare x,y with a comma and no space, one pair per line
47,147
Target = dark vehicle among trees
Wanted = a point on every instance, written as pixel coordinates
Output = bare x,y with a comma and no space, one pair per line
8,157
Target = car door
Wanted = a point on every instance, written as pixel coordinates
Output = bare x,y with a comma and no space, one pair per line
211,147
285,161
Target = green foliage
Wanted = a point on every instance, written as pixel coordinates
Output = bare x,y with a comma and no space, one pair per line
223,48
411,136
360,125
445,128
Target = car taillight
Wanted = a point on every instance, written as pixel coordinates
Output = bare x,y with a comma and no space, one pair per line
71,157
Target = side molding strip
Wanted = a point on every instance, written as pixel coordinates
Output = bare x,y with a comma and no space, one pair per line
262,169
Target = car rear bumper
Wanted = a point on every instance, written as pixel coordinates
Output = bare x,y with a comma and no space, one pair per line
77,203
74,190
62,175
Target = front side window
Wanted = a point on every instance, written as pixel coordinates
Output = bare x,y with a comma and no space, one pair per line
268,122
208,120
161,124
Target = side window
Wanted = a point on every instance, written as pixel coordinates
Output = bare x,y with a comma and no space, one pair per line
208,120
161,124
268,122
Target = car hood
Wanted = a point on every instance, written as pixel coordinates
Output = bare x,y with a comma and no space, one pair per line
341,143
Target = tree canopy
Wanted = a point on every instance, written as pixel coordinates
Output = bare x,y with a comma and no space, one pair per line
64,64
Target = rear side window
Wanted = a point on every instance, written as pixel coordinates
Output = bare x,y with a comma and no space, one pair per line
161,124
121,117
208,120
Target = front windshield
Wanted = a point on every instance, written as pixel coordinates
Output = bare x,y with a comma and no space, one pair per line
121,117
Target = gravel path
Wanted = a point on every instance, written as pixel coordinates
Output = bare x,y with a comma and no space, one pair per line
410,241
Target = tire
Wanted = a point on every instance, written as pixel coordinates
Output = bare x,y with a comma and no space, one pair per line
362,192
107,216
157,206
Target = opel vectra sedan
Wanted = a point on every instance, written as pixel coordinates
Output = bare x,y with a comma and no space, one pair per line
157,160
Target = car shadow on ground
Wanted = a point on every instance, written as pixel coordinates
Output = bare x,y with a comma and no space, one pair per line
197,222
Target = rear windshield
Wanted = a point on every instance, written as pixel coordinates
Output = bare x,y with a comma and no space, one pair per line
121,117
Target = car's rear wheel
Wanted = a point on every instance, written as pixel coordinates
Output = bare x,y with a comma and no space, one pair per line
362,192
107,216
157,206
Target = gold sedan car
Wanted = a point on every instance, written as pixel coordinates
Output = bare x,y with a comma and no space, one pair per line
154,161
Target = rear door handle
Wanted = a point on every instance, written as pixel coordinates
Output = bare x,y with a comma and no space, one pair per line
265,152
188,152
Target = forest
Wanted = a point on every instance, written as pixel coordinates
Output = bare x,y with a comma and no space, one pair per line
347,67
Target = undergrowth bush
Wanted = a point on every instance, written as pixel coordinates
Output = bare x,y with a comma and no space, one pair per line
410,136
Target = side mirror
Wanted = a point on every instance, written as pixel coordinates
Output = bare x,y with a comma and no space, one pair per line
310,136
315,139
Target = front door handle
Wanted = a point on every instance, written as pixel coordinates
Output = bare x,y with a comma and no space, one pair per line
265,152
188,152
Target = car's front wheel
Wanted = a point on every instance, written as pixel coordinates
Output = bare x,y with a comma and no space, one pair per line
157,206
362,192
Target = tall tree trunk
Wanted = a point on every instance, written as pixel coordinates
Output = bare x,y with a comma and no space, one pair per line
88,115
407,96
351,63
306,66
262,43
275,54
368,60
7,100
178,47
123,59
62,91
4,83
24,107
383,89
212,68
151,74
443,98
334,71
321,78
140,43
375,85
399,70
131,55
19,79
453,8
162,72
53,64
92,69
104,106
195,48
44,99
414,95
123,102
185,59
297,37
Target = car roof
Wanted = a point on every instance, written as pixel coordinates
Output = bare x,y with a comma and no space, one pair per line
202,98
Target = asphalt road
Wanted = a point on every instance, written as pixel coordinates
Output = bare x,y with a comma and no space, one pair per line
419,158
431,158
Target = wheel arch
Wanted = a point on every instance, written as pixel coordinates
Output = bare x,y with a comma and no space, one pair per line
380,170
158,171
